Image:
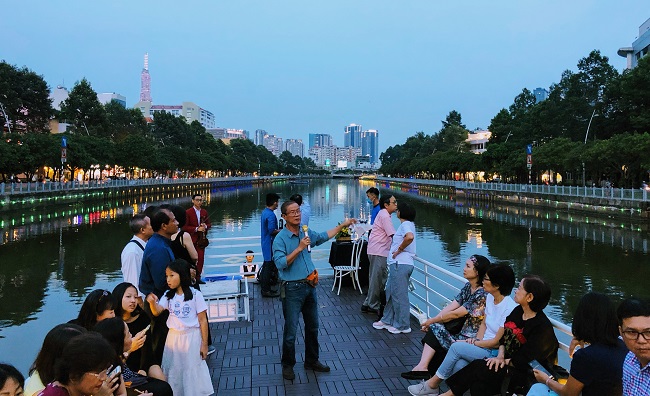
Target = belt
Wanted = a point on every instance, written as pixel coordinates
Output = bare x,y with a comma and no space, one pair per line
296,281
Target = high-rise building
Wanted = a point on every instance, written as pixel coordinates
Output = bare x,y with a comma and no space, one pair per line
190,110
352,136
145,81
541,94
259,137
640,47
273,144
320,139
108,97
295,147
370,145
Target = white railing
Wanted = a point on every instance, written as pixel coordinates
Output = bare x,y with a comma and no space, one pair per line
40,187
625,194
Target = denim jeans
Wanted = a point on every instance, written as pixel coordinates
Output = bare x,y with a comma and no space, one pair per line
299,297
397,312
461,354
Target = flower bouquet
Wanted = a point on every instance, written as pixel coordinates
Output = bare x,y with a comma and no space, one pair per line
343,235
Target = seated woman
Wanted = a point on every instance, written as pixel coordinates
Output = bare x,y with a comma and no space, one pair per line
116,332
598,368
11,381
42,370
82,369
470,300
140,355
498,283
528,335
97,307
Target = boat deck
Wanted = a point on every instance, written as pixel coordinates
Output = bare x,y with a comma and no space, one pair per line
364,361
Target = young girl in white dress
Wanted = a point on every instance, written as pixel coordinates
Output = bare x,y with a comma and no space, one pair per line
186,346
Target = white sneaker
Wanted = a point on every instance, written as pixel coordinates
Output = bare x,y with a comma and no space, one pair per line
394,330
380,325
422,389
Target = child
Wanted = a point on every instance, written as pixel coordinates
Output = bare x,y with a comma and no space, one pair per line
187,342
11,381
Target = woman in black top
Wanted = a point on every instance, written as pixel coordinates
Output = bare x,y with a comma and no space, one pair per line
528,335
181,243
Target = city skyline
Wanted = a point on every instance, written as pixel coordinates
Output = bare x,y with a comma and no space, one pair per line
293,69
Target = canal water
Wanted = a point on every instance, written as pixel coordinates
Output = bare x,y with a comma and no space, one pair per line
50,260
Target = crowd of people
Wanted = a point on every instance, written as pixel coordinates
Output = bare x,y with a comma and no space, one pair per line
150,335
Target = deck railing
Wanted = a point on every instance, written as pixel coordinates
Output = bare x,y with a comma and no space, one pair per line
624,194
432,286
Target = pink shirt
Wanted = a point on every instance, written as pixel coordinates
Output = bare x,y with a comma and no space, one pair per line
381,235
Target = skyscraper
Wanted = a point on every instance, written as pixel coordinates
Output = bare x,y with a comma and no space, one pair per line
319,139
295,147
370,145
145,81
259,137
352,136
540,94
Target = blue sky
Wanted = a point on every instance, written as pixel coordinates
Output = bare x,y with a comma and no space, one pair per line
298,67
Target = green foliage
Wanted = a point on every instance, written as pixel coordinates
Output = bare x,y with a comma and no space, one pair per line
83,111
24,95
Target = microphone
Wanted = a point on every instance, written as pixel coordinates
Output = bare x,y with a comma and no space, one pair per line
305,228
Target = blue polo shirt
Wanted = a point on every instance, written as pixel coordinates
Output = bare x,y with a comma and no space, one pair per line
374,212
286,242
157,254
269,224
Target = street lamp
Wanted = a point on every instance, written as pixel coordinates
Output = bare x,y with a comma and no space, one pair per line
584,180
83,123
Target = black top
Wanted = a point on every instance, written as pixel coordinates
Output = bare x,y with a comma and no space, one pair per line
180,252
600,368
139,360
526,340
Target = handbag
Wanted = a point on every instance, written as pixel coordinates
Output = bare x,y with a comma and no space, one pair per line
454,326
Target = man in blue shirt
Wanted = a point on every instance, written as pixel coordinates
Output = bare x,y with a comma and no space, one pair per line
157,254
269,273
373,198
291,256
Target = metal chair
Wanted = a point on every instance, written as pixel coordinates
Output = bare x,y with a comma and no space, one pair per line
353,269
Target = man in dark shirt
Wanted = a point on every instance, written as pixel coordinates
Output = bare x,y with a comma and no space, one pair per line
157,254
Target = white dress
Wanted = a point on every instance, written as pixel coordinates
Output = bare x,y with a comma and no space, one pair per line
186,372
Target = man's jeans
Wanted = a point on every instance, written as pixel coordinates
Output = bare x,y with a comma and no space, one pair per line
299,297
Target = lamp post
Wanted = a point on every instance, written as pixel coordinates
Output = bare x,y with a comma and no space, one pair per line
83,122
584,180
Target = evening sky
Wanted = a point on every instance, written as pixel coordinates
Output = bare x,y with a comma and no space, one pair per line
297,67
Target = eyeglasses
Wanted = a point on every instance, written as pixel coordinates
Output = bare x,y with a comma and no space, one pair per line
293,212
633,335
102,375
198,199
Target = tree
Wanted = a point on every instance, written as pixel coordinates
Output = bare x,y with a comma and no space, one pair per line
122,122
25,97
83,110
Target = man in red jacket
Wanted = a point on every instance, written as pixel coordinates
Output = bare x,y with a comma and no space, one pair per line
197,224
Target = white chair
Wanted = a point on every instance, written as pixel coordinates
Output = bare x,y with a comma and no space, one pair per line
353,269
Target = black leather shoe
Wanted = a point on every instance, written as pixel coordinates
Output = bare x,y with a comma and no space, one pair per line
317,366
416,375
367,309
200,281
287,373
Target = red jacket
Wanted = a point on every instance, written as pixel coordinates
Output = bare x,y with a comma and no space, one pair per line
191,222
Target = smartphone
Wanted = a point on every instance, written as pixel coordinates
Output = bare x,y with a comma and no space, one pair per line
538,366
116,370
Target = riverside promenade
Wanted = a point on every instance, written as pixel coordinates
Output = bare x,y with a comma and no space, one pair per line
363,360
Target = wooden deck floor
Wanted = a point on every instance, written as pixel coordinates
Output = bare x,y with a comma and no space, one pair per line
364,361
